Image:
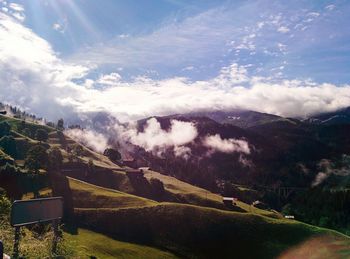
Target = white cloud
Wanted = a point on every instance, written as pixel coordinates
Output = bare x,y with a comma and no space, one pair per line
60,26
123,36
16,7
283,29
19,16
320,178
56,26
110,79
188,40
155,139
32,76
216,143
231,89
92,139
330,7
15,10
313,14
329,168
188,68
182,151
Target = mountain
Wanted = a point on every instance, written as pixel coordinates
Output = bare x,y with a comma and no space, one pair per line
274,146
341,116
239,118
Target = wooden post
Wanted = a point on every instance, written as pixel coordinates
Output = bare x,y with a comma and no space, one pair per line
16,243
55,236
1,250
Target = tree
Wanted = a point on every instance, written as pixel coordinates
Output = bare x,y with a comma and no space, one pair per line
5,204
41,135
55,159
61,138
60,124
36,158
112,154
21,126
75,153
4,128
157,187
77,150
27,132
90,167
8,144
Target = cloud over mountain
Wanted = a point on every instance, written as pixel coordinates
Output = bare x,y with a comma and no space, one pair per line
216,143
155,139
96,141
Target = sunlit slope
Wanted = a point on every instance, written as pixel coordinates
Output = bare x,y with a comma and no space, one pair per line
190,231
91,196
24,142
198,196
87,244
203,232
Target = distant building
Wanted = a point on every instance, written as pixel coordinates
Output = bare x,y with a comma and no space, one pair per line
260,205
289,216
129,162
229,201
134,172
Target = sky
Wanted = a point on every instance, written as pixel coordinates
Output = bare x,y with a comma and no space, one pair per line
138,58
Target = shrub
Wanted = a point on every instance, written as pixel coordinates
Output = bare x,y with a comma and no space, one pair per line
55,159
4,128
8,144
41,135
5,204
36,158
157,187
112,154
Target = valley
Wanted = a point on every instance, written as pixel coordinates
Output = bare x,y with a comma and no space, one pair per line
111,212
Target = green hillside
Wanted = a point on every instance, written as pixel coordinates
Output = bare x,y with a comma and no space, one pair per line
87,243
194,231
199,232
198,196
91,196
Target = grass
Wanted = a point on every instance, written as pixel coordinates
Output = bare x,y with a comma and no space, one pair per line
32,244
5,156
91,196
193,231
14,123
81,245
191,193
88,243
199,196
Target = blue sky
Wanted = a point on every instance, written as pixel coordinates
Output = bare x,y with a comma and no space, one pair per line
298,39
230,52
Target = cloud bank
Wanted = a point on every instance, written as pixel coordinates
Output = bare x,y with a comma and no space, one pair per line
329,168
157,140
90,138
216,143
